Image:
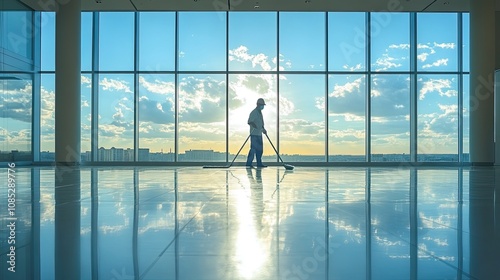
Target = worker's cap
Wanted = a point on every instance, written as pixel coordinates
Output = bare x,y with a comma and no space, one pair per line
260,101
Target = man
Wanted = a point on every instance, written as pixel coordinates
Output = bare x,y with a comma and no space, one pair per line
256,122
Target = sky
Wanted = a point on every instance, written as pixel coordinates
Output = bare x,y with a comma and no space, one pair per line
299,95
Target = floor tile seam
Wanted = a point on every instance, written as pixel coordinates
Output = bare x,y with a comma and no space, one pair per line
176,236
445,262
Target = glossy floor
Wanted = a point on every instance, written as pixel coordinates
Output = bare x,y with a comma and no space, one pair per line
237,223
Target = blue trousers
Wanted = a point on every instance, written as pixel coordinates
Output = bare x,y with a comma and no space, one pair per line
256,149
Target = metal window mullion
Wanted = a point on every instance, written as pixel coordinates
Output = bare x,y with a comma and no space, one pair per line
227,86
368,112
94,132
278,85
36,92
326,89
136,87
176,91
413,87
460,89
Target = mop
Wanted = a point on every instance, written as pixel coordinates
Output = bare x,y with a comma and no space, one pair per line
229,165
287,166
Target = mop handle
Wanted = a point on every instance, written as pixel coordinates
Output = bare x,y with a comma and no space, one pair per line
242,147
274,148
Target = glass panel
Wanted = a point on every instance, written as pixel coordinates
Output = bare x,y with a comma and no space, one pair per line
390,118
437,42
15,119
202,117
116,117
116,41
156,117
86,117
437,118
466,42
302,41
438,224
202,41
390,41
244,90
17,32
47,118
156,41
48,41
250,50
346,116
466,118
302,117
86,43
346,41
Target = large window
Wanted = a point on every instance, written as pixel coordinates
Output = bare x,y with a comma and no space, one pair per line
339,86
390,117
202,41
346,41
302,117
390,42
116,41
202,118
347,117
15,118
302,41
437,118
116,117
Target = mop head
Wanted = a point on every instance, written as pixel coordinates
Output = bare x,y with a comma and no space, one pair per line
288,166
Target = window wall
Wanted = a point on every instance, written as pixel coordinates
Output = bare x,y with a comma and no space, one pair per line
16,84
339,87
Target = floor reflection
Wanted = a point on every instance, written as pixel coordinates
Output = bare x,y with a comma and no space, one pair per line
238,223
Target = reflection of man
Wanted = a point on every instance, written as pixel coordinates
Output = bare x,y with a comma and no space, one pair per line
256,122
256,196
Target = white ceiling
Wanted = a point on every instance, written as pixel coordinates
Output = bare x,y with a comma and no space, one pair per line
263,5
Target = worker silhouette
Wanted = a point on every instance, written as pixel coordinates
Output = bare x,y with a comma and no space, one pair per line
256,123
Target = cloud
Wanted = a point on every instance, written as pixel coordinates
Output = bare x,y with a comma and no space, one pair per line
444,87
445,45
15,101
157,86
426,51
300,129
259,61
437,63
155,111
48,111
347,88
348,97
16,139
114,85
84,80
354,68
201,99
386,62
